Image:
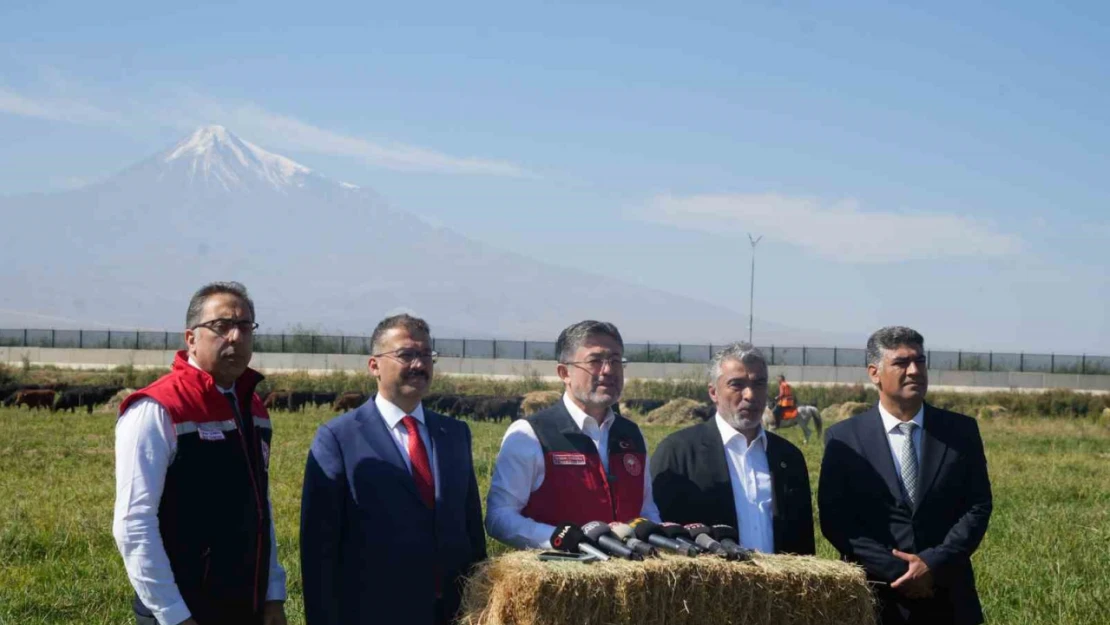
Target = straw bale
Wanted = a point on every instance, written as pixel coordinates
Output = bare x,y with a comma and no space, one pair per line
538,400
1104,419
113,404
991,411
839,412
519,589
681,411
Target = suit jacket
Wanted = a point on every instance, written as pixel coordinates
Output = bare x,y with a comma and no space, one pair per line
370,548
865,513
691,484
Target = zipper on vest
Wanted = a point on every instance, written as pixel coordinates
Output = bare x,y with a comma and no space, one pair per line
257,503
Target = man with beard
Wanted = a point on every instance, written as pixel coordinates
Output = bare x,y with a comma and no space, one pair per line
904,491
192,515
391,517
576,461
729,471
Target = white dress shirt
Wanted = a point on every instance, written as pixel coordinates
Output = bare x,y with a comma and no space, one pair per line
392,415
750,475
146,444
894,436
519,472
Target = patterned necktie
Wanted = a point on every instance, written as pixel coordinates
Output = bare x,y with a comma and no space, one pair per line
421,468
907,457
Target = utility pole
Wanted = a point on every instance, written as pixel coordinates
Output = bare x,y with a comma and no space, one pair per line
751,296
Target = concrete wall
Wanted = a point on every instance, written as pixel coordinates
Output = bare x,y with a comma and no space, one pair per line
504,367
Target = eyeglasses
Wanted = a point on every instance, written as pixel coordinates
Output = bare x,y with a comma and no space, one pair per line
409,356
597,363
223,326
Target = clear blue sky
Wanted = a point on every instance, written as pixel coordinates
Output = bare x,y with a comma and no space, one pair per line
944,166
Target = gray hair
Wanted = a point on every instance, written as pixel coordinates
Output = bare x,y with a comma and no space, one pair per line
740,351
891,337
196,303
572,337
412,325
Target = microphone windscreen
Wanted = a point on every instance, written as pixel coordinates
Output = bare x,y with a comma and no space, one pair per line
674,530
622,530
697,529
595,530
567,537
644,528
721,532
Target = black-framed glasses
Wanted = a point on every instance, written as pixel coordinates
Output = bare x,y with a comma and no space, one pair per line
595,364
409,356
224,325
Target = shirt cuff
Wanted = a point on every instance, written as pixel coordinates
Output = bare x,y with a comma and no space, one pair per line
541,536
172,614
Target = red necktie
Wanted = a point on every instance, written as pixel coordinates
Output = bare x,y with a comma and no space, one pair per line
421,468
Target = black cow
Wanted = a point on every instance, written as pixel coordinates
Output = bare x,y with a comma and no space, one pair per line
642,406
497,408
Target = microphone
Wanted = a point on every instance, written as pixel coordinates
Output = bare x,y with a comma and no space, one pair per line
703,536
679,533
567,537
625,533
653,534
598,533
728,537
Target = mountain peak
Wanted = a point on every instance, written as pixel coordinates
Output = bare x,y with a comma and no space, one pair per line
218,157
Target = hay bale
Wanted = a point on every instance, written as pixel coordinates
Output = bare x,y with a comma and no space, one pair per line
538,400
1104,418
112,407
991,411
519,589
839,412
681,411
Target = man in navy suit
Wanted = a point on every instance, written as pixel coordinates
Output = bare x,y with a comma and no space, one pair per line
904,491
391,518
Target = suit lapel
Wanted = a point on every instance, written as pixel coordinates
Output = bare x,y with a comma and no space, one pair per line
876,448
381,441
442,450
776,466
716,458
933,450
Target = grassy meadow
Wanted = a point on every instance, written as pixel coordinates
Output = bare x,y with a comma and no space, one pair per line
1046,557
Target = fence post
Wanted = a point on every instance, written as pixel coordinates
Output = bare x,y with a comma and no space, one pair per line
959,361
1083,364
495,349
773,355
24,338
80,339
464,348
52,331
1052,363
342,344
835,363
803,355
680,353
109,339
990,361
165,341
283,342
312,344
527,356
136,339
1021,362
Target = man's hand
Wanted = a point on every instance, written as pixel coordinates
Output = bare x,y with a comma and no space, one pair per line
273,613
917,583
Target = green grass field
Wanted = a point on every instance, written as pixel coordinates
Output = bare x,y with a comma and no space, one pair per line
1046,557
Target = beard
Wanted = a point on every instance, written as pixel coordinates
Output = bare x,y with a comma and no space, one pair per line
740,422
596,398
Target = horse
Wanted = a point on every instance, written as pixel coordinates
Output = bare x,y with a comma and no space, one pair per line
771,422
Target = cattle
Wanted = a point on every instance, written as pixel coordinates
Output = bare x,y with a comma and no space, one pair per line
497,408
705,412
33,398
6,392
292,401
323,399
87,397
348,401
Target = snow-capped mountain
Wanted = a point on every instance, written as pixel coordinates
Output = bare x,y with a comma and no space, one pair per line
315,252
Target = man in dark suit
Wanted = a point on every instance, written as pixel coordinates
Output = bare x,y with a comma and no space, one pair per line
729,471
904,491
391,518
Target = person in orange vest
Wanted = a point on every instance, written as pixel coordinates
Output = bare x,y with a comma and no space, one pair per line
786,407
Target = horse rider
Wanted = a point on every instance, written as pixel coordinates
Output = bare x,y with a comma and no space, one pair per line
786,407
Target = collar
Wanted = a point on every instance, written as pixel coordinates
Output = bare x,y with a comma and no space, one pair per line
393,415
728,433
890,422
580,417
219,388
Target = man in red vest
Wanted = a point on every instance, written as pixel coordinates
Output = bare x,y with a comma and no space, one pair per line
576,461
786,407
192,514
